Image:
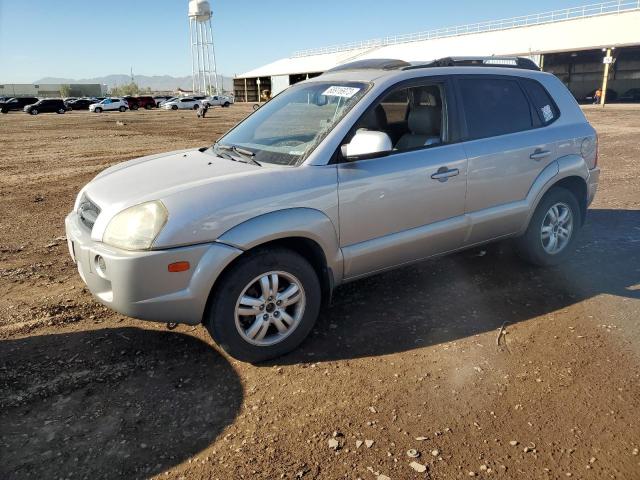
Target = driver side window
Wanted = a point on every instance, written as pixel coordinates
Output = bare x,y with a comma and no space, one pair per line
413,117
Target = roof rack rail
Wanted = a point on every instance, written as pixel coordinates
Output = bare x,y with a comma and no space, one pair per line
494,61
372,64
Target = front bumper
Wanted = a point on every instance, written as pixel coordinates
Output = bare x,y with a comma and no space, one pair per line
592,184
138,284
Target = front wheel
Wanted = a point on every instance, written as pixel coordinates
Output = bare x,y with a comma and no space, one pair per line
196,107
98,110
174,107
265,305
61,111
226,104
34,111
551,234
122,109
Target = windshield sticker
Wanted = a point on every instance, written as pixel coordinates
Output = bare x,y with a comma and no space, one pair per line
345,92
547,113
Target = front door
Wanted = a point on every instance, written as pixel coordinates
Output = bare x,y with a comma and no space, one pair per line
409,204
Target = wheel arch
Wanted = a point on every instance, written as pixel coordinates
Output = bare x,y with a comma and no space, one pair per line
570,172
306,231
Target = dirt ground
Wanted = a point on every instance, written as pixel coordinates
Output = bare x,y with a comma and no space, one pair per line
405,360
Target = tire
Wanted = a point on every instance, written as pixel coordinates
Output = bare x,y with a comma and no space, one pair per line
225,327
98,110
196,107
34,111
132,107
122,109
226,104
61,111
4,110
533,247
148,107
174,107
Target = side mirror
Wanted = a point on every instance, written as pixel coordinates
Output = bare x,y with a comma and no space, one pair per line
366,144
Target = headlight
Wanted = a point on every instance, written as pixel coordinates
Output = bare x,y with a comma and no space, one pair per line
136,227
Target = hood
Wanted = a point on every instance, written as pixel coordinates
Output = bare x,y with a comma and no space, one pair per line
157,176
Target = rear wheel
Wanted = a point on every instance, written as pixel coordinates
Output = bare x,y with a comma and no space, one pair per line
4,110
552,231
265,305
148,106
122,109
61,111
196,107
226,104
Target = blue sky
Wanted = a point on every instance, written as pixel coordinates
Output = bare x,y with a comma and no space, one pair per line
83,39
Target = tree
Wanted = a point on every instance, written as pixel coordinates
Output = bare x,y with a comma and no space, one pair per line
129,89
65,90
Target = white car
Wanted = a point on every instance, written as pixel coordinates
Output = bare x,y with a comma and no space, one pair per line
185,103
108,104
222,100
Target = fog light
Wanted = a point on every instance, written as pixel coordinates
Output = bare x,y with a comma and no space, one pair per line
101,266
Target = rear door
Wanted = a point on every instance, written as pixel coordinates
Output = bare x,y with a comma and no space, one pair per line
507,150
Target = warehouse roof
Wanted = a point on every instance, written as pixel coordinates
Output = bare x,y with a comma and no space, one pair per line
607,24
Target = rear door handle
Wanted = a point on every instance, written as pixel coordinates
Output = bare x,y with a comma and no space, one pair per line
443,174
539,154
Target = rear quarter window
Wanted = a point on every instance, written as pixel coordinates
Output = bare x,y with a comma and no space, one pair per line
544,106
494,106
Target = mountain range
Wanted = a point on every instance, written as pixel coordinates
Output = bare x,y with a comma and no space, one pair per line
154,82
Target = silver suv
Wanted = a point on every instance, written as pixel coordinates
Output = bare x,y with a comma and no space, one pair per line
368,167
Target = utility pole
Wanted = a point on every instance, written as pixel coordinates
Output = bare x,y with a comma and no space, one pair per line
607,60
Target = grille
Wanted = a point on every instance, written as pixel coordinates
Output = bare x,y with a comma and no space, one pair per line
88,212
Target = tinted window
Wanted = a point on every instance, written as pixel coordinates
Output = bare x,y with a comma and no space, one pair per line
494,107
544,106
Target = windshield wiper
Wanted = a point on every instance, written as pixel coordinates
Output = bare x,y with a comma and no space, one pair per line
244,153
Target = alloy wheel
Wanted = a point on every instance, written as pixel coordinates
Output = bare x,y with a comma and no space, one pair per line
557,228
270,308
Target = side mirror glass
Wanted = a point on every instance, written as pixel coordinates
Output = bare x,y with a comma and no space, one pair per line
366,144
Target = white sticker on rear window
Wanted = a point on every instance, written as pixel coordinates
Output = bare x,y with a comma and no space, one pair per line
346,92
547,113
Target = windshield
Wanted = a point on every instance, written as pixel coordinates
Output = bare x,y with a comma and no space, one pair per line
286,129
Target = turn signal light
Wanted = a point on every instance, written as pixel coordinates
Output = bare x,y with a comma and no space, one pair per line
179,267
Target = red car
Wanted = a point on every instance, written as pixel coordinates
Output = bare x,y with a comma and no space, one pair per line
146,102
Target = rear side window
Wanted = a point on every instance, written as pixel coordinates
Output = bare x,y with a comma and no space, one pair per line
545,108
494,106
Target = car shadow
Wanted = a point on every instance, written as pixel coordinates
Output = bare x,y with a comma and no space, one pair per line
471,292
110,403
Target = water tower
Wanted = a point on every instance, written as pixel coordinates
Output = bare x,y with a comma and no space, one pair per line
203,55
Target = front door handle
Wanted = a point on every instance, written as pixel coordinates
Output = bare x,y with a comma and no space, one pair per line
443,174
539,154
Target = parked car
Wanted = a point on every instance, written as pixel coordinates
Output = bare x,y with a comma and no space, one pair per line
630,96
46,105
371,166
109,104
80,104
612,96
182,103
222,100
16,104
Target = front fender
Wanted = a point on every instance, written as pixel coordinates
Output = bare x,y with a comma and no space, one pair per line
292,222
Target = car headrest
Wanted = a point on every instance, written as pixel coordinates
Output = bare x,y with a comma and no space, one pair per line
375,119
424,121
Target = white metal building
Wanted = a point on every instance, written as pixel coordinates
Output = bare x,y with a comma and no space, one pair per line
580,32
